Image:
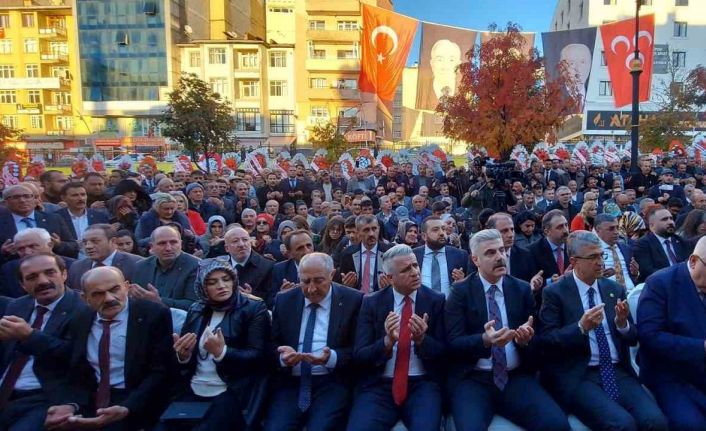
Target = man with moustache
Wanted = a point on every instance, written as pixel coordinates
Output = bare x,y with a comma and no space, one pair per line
254,271
490,333
109,386
520,263
27,329
285,275
76,215
549,253
661,247
361,264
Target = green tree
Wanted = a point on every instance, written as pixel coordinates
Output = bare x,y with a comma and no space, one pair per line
329,138
199,119
6,134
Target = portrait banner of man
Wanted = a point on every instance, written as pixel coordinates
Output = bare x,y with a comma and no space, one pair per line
442,50
575,47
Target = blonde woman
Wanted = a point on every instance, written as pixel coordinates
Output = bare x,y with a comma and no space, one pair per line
584,219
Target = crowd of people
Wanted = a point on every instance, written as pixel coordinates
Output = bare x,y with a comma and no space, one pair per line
435,296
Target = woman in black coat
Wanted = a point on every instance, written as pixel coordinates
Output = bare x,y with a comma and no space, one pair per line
222,350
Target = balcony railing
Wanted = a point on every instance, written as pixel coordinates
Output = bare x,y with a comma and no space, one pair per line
57,109
52,32
55,57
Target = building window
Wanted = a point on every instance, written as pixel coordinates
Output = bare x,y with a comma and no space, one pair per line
319,54
31,46
278,88
36,122
681,3
27,20
32,71
278,59
194,59
217,55
347,84
398,118
249,88
248,120
605,89
319,112
603,61
7,71
281,121
346,54
679,59
4,20
64,123
11,121
249,60
347,25
34,96
317,25
8,96
397,134
646,2
609,2
60,72
218,85
679,29
5,46
318,82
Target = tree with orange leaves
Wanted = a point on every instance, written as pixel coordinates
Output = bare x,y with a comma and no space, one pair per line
504,99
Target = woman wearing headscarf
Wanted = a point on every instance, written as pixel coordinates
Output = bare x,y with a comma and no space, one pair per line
139,198
195,220
122,214
164,211
408,233
275,249
332,234
263,226
631,227
222,350
584,219
212,242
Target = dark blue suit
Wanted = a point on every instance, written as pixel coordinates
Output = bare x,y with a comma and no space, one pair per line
281,271
94,217
650,255
567,353
51,222
11,286
672,328
330,393
374,407
455,259
466,313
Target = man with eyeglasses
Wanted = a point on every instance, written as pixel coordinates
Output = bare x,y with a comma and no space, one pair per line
586,329
619,264
672,329
21,214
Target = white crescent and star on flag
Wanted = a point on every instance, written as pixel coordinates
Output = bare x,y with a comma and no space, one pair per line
390,32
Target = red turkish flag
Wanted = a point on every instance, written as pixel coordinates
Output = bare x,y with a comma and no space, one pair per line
386,40
619,47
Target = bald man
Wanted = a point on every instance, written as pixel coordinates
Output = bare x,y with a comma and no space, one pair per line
254,271
444,58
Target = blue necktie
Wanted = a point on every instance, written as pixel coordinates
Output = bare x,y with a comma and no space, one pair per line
28,222
292,184
497,354
605,363
305,382
435,271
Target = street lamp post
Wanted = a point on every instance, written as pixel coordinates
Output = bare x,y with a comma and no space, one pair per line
635,71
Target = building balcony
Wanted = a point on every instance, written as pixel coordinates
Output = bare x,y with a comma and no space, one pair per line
29,108
338,7
57,109
318,121
332,64
52,32
334,94
342,36
58,132
54,57
32,83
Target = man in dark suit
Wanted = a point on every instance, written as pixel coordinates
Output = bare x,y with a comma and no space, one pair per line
313,331
26,243
101,250
661,247
27,371
585,331
270,191
361,265
620,265
490,333
120,354
21,214
520,263
76,216
399,347
672,329
441,265
549,253
667,189
563,203
285,274
293,188
168,275
254,271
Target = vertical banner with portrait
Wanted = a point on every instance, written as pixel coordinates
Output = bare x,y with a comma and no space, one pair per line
575,47
442,50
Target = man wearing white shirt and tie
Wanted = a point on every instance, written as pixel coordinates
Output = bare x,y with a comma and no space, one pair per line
661,247
618,262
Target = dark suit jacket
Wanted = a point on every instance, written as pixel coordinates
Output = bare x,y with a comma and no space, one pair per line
257,272
369,352
352,260
177,286
466,312
573,210
149,358
51,222
125,262
566,350
544,258
150,221
46,368
285,188
94,217
651,257
672,328
281,271
343,319
11,286
455,258
521,264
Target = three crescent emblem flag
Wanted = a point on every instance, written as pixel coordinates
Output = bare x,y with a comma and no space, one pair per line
619,43
386,40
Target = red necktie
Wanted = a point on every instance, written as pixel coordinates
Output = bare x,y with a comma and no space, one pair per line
365,282
103,392
399,379
13,373
560,260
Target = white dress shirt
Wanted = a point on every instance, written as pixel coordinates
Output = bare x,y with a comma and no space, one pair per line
320,338
20,225
108,261
118,341
328,191
206,382
511,355
664,247
592,341
416,367
234,262
80,223
624,266
373,260
27,381
443,269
